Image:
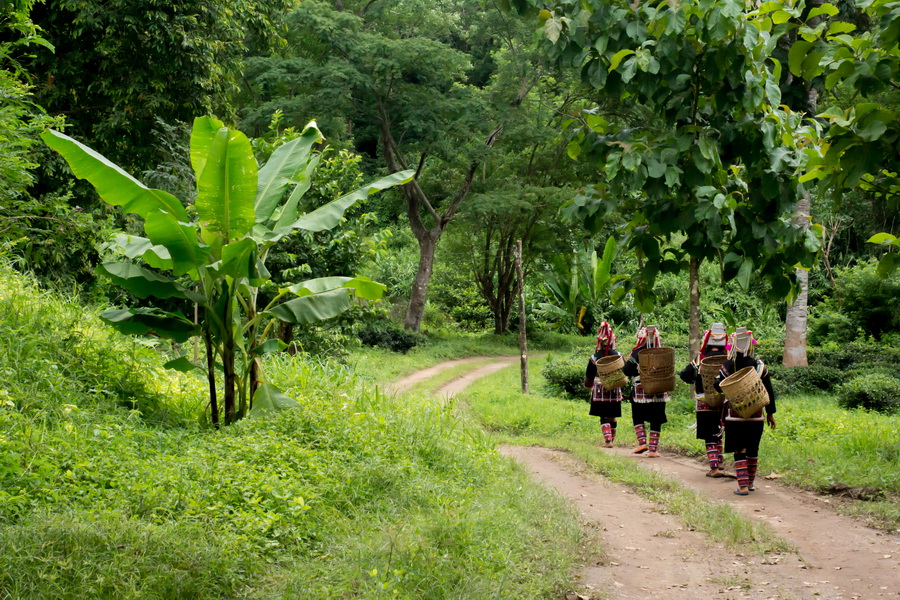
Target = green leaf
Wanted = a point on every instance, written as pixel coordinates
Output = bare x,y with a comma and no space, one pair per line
150,321
268,398
823,9
329,215
780,16
796,56
143,283
180,239
617,58
239,260
552,29
202,134
745,273
887,265
269,346
132,246
884,238
313,308
281,168
114,185
182,364
839,27
227,186
365,288
318,285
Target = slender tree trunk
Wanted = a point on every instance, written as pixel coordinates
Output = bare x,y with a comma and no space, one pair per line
416,309
694,282
523,346
795,320
228,364
211,376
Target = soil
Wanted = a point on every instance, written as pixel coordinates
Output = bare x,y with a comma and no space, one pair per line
642,552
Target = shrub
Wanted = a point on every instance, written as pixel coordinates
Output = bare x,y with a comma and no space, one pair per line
388,335
876,392
565,375
806,379
854,355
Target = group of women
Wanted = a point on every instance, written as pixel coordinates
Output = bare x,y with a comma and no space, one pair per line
741,434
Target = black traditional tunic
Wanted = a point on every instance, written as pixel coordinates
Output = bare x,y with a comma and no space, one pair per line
604,403
709,418
644,407
744,434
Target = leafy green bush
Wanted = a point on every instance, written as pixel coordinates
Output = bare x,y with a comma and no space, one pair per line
862,301
854,355
806,379
876,392
386,334
565,375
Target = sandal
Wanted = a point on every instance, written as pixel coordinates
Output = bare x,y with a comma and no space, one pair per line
716,473
740,492
640,449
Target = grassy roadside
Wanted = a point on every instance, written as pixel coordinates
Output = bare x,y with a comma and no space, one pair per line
109,487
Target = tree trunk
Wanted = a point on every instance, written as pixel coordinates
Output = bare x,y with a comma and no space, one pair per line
416,309
211,376
694,338
795,320
523,346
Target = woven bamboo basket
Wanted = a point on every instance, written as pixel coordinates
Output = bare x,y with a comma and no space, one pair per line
745,392
709,369
609,372
657,370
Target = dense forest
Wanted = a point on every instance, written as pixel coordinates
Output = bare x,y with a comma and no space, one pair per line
218,219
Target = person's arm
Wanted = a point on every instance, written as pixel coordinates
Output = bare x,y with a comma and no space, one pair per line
770,407
724,372
631,365
689,373
589,374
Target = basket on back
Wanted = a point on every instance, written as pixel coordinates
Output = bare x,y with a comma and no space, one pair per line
709,369
609,372
745,392
657,370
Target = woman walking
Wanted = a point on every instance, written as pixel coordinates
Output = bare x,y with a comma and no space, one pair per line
709,418
646,409
743,434
606,404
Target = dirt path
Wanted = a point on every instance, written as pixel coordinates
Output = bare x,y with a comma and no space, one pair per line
649,554
404,384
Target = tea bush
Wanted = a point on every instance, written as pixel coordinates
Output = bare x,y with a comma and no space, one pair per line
876,392
806,379
390,336
565,375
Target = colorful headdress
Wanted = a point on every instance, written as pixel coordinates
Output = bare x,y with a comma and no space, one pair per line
742,342
715,336
605,337
648,337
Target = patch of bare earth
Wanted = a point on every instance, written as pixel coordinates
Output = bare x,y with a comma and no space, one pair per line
644,553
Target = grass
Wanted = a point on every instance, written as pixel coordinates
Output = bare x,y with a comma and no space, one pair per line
110,487
549,421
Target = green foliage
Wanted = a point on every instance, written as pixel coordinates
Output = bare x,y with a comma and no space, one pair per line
862,303
387,334
181,509
811,379
710,160
565,375
874,391
242,212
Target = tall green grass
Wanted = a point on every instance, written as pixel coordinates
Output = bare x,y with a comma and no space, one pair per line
109,487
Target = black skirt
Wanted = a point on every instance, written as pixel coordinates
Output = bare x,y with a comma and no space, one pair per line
605,408
743,436
709,424
648,412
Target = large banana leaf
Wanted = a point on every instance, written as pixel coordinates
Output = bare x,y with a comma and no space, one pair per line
226,188
287,213
150,321
362,287
180,239
282,167
134,246
143,283
202,134
327,216
114,185
313,308
269,399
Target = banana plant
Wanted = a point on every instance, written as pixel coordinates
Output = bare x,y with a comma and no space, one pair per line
584,287
217,259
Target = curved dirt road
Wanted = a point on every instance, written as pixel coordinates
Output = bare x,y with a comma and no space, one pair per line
646,553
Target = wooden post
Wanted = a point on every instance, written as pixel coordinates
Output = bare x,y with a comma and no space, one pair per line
523,346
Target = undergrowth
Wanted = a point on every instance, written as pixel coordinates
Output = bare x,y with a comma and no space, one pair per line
109,487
